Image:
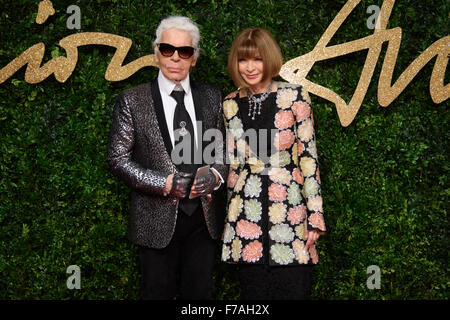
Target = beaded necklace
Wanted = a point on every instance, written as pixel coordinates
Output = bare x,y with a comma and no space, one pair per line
255,103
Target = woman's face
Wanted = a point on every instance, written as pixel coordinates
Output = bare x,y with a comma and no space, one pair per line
251,70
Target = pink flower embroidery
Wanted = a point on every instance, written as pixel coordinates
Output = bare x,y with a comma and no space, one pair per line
248,230
313,254
301,110
284,119
301,147
232,179
252,251
296,214
284,139
277,192
298,176
316,220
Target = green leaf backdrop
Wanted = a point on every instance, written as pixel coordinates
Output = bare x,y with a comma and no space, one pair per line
384,177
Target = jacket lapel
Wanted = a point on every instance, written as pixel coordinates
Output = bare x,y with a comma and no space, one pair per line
159,109
199,109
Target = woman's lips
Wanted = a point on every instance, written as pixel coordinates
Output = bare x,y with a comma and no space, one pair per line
252,76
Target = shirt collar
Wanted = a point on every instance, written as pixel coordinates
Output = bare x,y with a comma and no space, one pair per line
167,85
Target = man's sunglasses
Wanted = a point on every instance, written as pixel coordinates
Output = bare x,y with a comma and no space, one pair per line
168,50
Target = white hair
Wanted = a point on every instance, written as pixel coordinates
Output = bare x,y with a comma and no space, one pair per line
180,23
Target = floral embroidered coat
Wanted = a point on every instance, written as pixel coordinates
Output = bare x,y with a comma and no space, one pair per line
272,200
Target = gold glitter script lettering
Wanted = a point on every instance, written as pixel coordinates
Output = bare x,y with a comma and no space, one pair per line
45,10
297,69
294,70
63,67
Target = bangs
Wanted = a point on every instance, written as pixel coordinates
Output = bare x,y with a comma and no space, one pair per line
254,43
248,49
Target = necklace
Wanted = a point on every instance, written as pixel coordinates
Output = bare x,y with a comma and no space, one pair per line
255,103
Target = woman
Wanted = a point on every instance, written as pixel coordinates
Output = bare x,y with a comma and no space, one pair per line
274,212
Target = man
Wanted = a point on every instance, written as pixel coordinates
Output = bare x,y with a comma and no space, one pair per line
151,121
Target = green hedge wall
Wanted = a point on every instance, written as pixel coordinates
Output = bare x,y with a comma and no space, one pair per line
384,177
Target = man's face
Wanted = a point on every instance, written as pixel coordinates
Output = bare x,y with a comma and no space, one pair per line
175,68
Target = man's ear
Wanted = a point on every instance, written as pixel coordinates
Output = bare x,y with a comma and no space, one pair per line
156,55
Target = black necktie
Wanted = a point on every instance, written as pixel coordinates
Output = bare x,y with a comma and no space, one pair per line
184,132
184,135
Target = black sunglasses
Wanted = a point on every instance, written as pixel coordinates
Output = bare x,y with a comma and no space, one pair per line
168,50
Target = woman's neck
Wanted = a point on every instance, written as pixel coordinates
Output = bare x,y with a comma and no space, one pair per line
260,87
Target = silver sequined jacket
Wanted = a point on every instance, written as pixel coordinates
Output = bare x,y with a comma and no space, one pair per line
139,154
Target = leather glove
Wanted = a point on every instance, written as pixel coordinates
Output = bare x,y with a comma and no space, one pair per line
181,183
205,184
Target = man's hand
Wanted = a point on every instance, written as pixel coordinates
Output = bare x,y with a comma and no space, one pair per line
204,184
180,184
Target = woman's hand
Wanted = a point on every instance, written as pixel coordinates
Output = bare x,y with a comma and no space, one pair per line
312,236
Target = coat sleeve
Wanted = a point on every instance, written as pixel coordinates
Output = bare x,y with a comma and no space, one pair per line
308,164
220,163
120,149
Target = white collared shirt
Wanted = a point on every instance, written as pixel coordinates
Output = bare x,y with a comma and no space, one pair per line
166,87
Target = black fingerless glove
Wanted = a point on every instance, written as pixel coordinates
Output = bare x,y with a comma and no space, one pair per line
181,184
205,184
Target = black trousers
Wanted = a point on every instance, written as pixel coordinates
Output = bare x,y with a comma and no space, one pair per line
189,257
